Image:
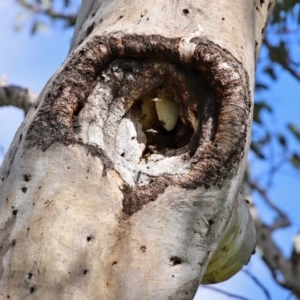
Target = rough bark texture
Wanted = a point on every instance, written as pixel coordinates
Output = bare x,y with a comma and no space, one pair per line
101,198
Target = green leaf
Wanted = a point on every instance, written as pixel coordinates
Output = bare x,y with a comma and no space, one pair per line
48,4
279,54
261,86
258,108
38,26
264,140
270,71
294,130
289,5
295,160
257,150
276,13
34,28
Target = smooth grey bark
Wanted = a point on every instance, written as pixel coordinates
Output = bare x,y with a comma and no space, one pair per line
123,180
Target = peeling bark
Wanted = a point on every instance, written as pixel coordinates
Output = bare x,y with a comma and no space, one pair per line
99,198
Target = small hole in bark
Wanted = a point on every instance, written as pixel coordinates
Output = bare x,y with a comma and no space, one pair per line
210,222
185,11
85,271
24,189
114,263
14,212
225,248
89,238
163,132
143,248
26,177
122,154
13,243
120,17
90,29
32,290
175,260
29,275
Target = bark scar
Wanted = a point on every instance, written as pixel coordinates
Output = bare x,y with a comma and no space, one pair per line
210,164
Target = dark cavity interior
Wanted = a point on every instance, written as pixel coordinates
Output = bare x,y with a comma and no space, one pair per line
172,106
176,114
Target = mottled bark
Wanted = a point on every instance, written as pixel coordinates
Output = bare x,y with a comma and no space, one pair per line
122,182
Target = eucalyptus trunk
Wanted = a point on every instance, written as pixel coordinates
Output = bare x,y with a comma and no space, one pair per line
123,180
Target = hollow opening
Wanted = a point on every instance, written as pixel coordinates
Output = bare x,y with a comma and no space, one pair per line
175,114
175,260
163,125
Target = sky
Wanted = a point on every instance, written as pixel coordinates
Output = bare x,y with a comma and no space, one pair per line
29,61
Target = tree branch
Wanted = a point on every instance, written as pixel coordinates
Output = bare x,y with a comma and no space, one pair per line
282,221
285,66
258,283
39,9
282,269
17,96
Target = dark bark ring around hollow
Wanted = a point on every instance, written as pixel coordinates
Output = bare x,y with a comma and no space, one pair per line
226,76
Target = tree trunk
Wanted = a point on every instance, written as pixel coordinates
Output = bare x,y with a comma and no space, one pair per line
122,182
